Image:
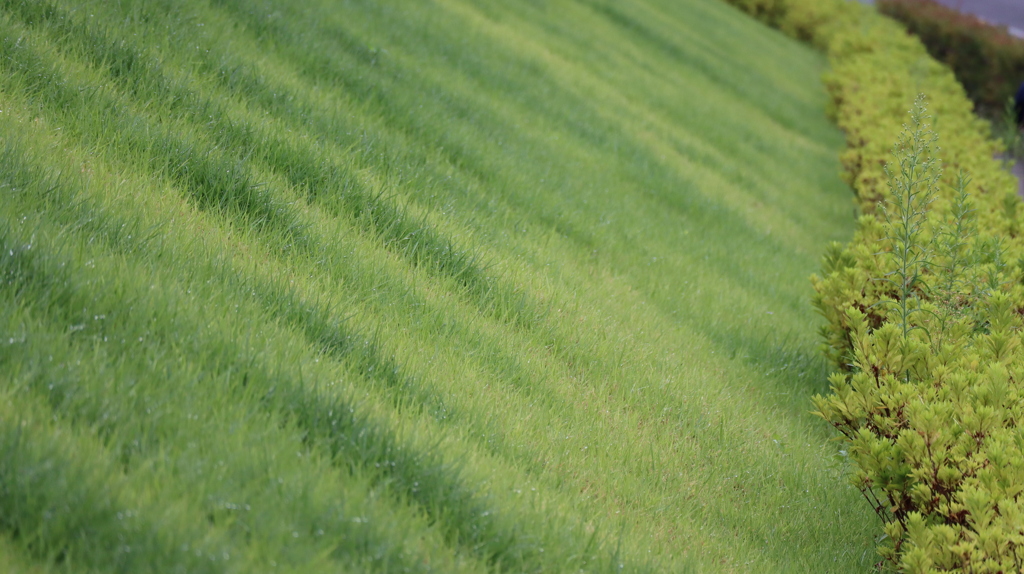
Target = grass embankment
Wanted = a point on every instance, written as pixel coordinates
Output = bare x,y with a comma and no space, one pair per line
443,286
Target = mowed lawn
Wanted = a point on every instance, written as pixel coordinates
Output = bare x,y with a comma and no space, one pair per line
415,285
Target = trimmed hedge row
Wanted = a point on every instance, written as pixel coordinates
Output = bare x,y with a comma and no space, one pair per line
987,60
924,306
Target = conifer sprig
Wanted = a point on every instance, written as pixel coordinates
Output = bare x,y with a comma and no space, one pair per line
913,183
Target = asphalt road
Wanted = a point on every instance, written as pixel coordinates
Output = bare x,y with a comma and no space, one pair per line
1006,12
1009,13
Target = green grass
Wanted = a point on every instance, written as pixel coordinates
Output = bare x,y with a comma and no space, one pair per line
414,286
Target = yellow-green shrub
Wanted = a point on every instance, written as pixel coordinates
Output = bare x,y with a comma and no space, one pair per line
987,60
931,381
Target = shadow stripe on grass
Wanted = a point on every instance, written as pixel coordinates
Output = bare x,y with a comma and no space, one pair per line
331,423
218,174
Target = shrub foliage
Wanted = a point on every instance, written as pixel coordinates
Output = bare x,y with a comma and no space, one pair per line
924,306
986,58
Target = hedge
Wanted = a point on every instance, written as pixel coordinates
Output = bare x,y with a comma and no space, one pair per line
987,60
924,306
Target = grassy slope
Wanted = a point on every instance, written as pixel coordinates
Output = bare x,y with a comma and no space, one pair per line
414,285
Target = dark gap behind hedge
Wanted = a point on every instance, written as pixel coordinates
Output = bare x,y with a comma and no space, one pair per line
987,59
